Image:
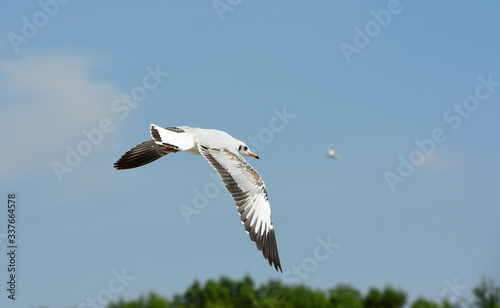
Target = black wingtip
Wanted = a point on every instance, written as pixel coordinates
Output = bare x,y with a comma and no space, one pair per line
278,266
270,250
140,155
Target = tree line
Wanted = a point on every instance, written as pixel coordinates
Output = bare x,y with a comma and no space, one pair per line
226,293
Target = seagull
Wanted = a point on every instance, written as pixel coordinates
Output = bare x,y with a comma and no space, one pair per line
225,154
332,154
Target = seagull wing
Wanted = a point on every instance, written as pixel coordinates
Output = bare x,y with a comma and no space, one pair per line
249,192
140,155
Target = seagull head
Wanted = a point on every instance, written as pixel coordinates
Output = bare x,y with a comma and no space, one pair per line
245,151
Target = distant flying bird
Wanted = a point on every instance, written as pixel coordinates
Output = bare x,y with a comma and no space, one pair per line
332,154
225,154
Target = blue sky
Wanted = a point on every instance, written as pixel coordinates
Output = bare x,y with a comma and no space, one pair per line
407,92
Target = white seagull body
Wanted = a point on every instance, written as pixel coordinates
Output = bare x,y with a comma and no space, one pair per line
225,154
332,154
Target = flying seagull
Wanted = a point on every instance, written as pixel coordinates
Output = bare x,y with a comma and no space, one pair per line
225,154
332,154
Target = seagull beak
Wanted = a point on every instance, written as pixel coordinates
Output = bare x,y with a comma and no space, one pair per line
253,155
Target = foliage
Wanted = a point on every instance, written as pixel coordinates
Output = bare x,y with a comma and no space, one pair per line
423,303
344,296
152,301
487,294
389,298
226,293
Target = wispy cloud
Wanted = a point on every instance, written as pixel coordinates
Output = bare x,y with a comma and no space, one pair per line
46,102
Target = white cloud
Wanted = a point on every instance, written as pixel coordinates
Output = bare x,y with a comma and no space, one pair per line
46,102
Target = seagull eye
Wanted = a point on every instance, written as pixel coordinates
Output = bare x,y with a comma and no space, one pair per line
245,148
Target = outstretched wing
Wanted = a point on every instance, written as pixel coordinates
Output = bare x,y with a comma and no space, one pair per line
151,150
249,192
140,155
